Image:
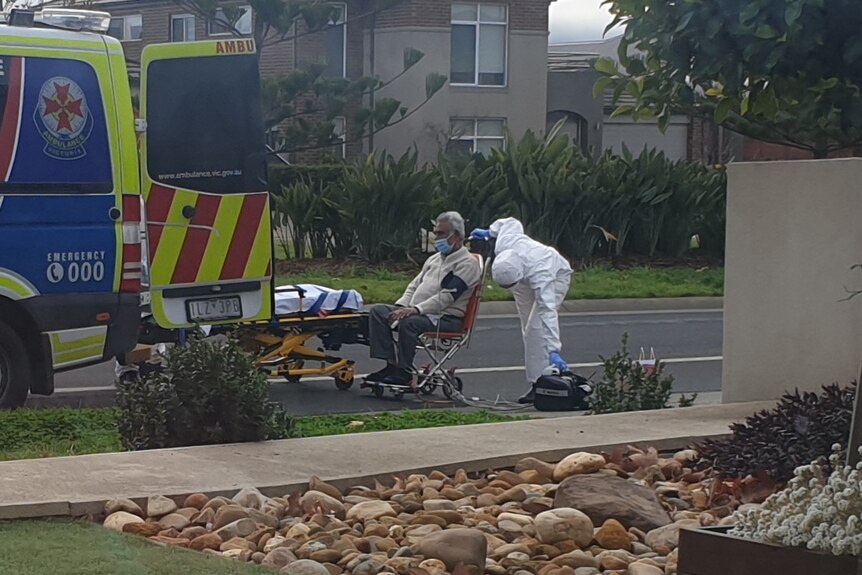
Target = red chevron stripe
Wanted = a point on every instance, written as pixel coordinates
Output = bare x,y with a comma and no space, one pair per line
158,207
243,237
11,119
195,243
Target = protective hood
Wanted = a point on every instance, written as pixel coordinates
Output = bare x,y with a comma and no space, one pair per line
507,231
508,268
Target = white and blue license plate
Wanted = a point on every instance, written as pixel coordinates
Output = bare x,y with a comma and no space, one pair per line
214,309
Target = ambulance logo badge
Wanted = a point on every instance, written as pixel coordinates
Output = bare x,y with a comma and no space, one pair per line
63,119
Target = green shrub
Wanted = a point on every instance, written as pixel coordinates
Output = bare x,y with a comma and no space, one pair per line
800,429
647,203
627,386
210,392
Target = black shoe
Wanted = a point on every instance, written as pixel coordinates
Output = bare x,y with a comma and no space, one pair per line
529,397
399,377
379,376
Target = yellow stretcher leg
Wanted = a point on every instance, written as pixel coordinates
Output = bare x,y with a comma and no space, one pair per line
286,357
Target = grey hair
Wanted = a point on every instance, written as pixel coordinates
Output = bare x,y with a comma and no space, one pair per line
455,220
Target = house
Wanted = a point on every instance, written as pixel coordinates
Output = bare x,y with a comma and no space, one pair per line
493,53
570,95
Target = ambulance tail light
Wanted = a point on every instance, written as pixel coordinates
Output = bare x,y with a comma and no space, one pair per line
132,265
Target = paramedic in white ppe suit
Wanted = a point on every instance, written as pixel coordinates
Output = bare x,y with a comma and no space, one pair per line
539,277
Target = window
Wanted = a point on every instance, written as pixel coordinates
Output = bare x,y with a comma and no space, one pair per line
479,44
336,44
476,136
214,101
339,134
222,25
182,28
127,28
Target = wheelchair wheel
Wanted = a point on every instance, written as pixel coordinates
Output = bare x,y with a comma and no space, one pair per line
448,387
428,388
378,391
343,384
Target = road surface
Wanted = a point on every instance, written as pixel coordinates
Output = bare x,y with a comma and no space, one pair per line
690,342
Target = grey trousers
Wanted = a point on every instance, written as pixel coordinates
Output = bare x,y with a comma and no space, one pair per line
382,338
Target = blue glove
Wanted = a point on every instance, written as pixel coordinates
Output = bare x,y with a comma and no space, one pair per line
559,362
480,234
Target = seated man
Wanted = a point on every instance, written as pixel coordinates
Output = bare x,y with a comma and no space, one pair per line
436,299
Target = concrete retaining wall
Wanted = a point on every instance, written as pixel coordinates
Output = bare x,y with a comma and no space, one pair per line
794,229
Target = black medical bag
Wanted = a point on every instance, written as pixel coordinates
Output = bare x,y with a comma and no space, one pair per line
564,392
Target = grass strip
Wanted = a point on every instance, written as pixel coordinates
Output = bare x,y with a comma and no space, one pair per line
32,434
596,282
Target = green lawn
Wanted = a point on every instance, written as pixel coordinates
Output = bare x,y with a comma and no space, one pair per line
596,282
77,548
30,434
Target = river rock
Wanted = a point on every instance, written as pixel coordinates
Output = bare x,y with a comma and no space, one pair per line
439,505
237,543
612,535
603,498
159,505
576,559
370,510
148,529
228,514
644,569
305,567
170,541
174,521
250,497
208,541
433,566
564,524
311,499
453,546
317,484
119,519
240,528
587,571
278,558
545,469
665,539
578,464
196,500
126,505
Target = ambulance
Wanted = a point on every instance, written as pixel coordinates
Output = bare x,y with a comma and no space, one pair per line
84,178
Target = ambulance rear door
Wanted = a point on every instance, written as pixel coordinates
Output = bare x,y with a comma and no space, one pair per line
203,176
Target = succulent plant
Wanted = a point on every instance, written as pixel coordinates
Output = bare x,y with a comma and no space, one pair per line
801,429
819,510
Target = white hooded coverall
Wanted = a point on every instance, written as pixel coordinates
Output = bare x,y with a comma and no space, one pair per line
542,277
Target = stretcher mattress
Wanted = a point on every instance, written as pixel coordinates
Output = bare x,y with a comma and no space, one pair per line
315,299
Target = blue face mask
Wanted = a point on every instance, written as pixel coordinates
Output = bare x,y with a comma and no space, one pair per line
443,246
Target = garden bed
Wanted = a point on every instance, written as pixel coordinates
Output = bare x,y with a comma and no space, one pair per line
711,551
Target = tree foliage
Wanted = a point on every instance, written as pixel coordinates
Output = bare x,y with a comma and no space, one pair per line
305,101
786,72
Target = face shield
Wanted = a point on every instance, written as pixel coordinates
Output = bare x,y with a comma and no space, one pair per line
508,269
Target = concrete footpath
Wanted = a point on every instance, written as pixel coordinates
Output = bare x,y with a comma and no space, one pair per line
80,485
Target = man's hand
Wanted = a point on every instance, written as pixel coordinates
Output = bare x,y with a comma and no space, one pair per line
402,313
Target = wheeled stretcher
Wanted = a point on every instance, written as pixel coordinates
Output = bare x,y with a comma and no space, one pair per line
304,312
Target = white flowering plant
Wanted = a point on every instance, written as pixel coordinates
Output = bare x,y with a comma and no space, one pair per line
818,510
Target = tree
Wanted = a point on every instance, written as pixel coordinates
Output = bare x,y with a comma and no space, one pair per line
781,71
305,102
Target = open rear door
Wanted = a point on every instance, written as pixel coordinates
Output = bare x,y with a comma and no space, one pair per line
203,176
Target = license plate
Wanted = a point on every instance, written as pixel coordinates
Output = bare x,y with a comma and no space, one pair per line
214,309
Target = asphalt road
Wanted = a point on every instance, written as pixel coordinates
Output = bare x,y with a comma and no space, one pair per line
690,342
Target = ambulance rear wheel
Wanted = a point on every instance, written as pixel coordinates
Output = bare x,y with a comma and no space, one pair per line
14,369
